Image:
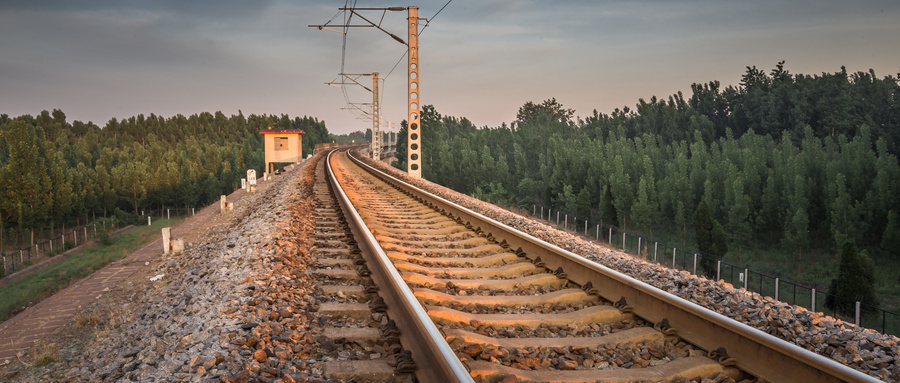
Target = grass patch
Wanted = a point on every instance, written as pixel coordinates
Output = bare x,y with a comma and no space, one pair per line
44,283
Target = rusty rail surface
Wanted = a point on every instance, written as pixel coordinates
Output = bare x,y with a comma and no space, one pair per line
750,350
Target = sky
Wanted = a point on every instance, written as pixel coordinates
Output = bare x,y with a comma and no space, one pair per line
102,59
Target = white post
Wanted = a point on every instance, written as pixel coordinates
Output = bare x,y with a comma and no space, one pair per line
719,270
533,209
168,213
598,232
148,220
623,240
566,222
746,278
542,212
655,249
610,236
166,236
192,211
813,300
695,263
857,312
776,287
585,228
557,218
51,245
673,257
75,235
639,247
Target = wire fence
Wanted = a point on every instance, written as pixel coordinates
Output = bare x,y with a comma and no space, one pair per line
690,260
12,260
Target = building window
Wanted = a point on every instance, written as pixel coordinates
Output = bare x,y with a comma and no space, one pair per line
281,143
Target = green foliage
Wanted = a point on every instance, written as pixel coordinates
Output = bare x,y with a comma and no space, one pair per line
711,240
53,173
782,160
855,280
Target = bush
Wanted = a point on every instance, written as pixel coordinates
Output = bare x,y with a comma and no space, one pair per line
127,218
855,281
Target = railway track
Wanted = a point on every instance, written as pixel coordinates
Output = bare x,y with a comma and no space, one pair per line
475,300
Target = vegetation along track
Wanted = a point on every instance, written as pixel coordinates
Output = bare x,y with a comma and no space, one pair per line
476,299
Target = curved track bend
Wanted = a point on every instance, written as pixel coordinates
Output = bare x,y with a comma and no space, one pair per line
476,300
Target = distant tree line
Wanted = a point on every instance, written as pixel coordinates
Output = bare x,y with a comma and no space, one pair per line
796,161
54,173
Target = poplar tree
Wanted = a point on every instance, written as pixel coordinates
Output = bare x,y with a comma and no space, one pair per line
855,280
710,238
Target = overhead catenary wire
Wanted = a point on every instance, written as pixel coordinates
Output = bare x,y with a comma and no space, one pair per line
354,107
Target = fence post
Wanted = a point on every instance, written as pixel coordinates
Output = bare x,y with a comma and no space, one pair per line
718,269
655,248
813,300
746,277
148,220
673,257
857,313
695,263
777,279
566,222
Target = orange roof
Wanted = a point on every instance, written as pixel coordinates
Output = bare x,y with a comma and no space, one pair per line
282,131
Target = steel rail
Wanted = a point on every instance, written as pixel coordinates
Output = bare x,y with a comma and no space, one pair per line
754,351
435,359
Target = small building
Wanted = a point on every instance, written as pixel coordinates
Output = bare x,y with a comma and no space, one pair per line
282,145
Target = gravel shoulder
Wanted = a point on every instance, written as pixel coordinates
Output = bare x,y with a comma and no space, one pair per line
175,320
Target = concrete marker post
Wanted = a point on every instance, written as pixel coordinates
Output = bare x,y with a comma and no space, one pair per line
166,236
168,213
777,279
813,300
746,278
655,249
857,312
623,241
640,254
610,236
718,269
673,257
598,232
